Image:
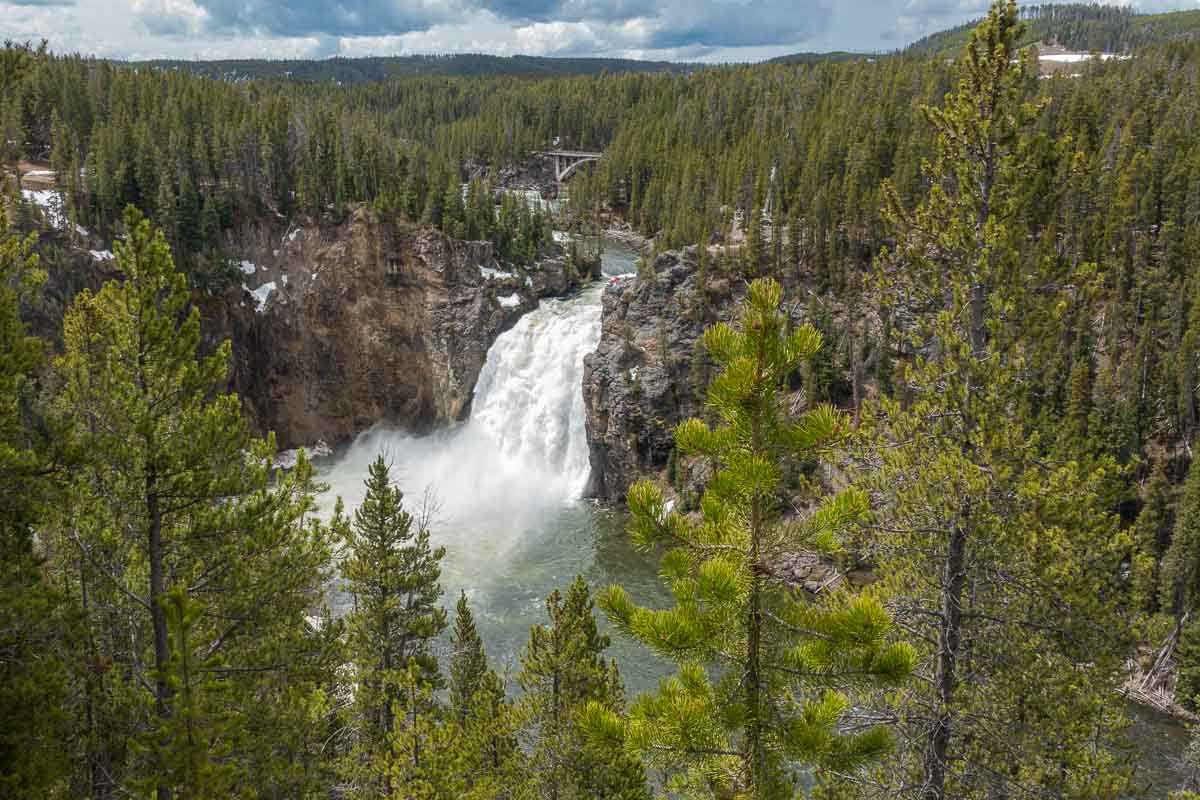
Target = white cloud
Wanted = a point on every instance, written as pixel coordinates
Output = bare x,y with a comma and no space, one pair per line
706,30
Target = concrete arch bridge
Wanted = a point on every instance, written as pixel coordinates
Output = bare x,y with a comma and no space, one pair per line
566,162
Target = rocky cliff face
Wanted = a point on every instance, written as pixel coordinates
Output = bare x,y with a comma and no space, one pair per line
341,327
647,375
338,326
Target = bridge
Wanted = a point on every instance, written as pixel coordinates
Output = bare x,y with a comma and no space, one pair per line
567,161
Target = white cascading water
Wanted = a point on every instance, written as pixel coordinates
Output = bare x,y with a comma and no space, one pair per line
529,398
520,458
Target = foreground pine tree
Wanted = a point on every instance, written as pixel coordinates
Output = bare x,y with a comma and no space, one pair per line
469,671
194,744
35,740
755,695
174,493
1003,553
425,757
485,719
563,671
391,572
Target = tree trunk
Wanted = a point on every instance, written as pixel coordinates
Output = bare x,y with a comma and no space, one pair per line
754,743
754,723
949,640
158,616
94,770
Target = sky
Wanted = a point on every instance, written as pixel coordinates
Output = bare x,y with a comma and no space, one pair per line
676,30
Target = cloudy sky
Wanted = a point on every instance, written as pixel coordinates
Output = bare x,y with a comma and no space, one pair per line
691,30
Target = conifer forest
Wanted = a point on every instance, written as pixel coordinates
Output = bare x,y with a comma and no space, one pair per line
518,428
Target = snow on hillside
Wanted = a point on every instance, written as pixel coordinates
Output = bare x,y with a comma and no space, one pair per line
261,294
51,203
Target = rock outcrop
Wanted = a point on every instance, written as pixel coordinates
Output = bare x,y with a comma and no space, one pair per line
646,374
338,326
341,327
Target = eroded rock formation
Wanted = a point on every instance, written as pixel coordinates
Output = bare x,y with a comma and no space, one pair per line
370,321
646,375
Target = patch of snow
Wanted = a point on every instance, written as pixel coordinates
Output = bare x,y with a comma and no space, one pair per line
510,301
261,294
284,280
1074,58
51,203
529,281
249,267
489,273
633,373
291,235
102,255
661,515
562,237
40,173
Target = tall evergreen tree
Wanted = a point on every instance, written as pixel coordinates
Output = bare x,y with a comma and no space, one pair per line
35,745
391,572
468,662
193,744
1179,581
770,704
1004,564
425,757
485,720
175,492
562,671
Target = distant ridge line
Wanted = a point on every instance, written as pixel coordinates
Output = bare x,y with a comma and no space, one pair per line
349,71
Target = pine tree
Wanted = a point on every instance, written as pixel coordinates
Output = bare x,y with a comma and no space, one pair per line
391,572
484,718
35,634
193,744
562,671
425,758
771,703
1179,571
1151,533
174,491
468,661
1003,564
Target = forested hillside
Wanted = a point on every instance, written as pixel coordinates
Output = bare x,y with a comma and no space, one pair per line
951,345
1080,26
349,71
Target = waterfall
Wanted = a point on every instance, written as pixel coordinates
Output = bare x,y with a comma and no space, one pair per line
508,480
520,458
529,398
